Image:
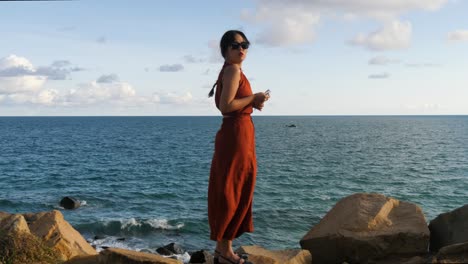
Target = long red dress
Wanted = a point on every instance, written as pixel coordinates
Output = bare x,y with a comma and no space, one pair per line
233,170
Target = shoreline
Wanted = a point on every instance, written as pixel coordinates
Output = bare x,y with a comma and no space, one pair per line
371,226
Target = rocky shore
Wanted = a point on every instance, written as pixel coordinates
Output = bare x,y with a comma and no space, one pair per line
360,228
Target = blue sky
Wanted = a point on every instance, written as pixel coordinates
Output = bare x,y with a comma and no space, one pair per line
329,57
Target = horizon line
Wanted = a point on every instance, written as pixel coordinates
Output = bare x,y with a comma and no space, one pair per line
337,115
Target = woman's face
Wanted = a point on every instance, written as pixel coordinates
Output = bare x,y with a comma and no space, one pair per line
235,52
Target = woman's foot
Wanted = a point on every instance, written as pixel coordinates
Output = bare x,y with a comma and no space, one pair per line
228,258
243,256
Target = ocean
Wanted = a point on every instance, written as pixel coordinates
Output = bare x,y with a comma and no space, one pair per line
143,180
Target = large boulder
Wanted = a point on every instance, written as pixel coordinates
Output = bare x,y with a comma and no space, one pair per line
13,224
201,257
59,234
94,259
18,245
3,215
449,228
124,256
366,226
455,253
259,255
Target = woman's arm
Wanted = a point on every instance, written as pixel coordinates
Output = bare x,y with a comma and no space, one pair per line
231,79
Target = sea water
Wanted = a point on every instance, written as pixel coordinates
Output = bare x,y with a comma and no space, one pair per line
143,181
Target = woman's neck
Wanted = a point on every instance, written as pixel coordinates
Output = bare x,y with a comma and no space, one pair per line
230,62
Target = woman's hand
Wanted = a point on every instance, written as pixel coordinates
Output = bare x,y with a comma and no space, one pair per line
259,100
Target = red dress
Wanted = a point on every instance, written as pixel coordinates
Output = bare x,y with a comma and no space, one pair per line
233,170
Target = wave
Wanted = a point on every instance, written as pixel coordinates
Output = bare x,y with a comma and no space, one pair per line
131,244
132,226
154,223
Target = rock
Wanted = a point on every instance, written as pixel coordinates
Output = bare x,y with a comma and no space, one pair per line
70,202
413,260
170,249
368,226
164,251
97,237
94,259
13,224
60,235
201,257
259,255
24,247
31,217
455,253
449,228
123,256
404,260
3,215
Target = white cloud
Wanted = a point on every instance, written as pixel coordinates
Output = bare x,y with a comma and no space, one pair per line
288,25
381,60
21,83
15,77
171,68
295,22
13,61
16,68
458,35
96,93
424,108
383,75
393,35
109,78
172,98
12,85
422,65
192,59
47,97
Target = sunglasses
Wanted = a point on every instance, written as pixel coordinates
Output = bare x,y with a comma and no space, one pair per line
236,45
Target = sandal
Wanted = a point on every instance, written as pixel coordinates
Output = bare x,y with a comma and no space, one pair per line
241,257
232,261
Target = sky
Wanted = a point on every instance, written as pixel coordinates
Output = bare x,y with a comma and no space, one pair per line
160,58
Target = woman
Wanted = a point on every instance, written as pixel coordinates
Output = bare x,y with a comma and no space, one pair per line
234,166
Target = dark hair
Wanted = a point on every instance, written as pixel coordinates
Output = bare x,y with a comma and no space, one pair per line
227,39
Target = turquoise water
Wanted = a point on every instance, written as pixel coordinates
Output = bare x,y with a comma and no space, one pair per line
145,178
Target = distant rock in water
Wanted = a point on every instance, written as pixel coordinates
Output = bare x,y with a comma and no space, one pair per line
70,202
292,125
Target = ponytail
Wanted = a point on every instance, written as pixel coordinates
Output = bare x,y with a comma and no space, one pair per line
210,94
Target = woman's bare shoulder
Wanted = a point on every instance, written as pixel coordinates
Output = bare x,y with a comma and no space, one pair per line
232,70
